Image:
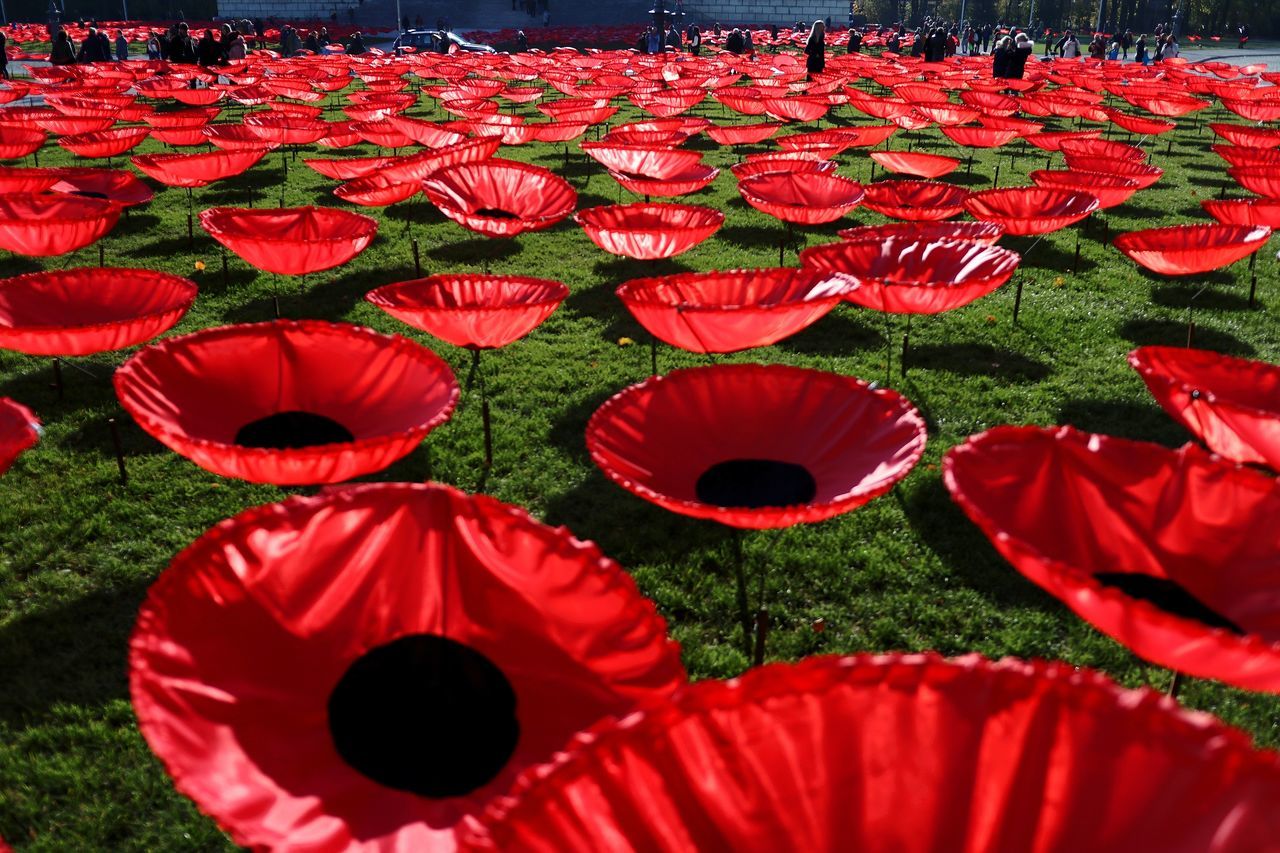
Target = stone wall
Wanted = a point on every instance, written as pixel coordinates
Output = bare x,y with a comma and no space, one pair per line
765,11
284,10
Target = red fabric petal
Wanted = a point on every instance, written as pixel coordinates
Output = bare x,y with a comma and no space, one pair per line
810,199
19,431
916,201
44,225
290,240
915,163
473,311
649,231
501,198
1191,249
1031,210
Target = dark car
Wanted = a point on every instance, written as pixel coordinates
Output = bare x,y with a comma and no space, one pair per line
439,41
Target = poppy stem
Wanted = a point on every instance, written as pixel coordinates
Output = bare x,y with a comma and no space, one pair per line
119,448
1253,280
1175,684
906,348
653,354
57,377
762,635
744,613
417,261
484,408
1017,301
1075,264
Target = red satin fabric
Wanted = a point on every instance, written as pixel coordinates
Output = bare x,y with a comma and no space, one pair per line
375,191
1110,190
1062,506
1144,174
236,137
1237,155
929,232
800,108
285,129
683,182
194,393
19,431
642,161
1097,147
656,439
649,231
91,310
979,137
424,132
1191,249
1231,404
197,170
1031,210
1248,135
907,275
239,717
24,179
416,167
1244,211
55,224
915,163
472,310
743,134
1053,141
290,240
105,143
915,201
899,752
792,163
1261,180
348,168
733,310
117,185
18,142
530,197
811,199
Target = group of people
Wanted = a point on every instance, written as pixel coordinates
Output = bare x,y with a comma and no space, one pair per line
1164,46
96,47
653,41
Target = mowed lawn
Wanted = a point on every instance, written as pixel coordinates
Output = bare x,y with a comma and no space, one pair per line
906,572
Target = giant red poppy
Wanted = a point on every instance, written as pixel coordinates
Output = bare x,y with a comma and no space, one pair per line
976,232
807,199
290,240
916,201
472,310
908,275
1191,249
756,446
743,134
1031,210
197,170
794,163
1248,135
105,143
732,310
285,129
915,163
85,311
117,185
1144,173
54,224
1238,155
17,142
1097,147
1244,211
19,431
642,161
1231,404
1054,141
1261,180
400,652
416,167
375,191
649,231
19,179
289,402
980,137
1110,190
501,198
827,754
686,181
348,168
1171,552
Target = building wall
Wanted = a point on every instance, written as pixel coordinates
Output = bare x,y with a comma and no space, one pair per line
285,10
765,11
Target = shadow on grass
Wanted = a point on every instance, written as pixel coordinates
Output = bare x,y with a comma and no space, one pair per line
1173,333
975,359
74,654
1189,296
838,333
475,251
1140,422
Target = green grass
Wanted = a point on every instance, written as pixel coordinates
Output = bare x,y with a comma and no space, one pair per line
908,571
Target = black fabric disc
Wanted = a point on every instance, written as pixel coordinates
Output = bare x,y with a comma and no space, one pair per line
495,213
756,483
1170,596
286,430
89,194
425,714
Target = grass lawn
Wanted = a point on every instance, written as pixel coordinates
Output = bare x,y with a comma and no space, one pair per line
907,571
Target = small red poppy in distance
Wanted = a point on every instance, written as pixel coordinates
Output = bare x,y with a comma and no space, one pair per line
823,755
399,653
1170,552
756,446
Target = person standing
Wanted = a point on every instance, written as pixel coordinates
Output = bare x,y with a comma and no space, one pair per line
1000,58
855,42
63,51
182,48
815,49
153,46
1019,53
1140,50
1126,42
1243,32
695,40
122,47
1097,47
1068,47
4,56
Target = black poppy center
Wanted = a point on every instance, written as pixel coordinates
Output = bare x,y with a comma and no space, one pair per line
289,430
89,194
1170,596
495,213
756,483
425,714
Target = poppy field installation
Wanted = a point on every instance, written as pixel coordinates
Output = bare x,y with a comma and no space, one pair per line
285,563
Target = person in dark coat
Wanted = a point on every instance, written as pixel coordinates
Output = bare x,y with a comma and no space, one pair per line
64,49
182,48
207,52
1000,58
815,49
1021,51
855,42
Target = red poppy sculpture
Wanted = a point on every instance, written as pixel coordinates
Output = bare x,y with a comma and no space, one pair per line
649,231
1191,249
915,201
915,163
289,402
822,755
975,232
1110,190
400,653
116,185
501,198
1231,404
755,446
904,275
19,431
1170,552
84,311
53,224
733,310
1031,210
1244,211
197,170
290,240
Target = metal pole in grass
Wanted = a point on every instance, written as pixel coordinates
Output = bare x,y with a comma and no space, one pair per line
484,408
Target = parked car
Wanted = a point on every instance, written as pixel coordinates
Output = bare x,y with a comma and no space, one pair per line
440,41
